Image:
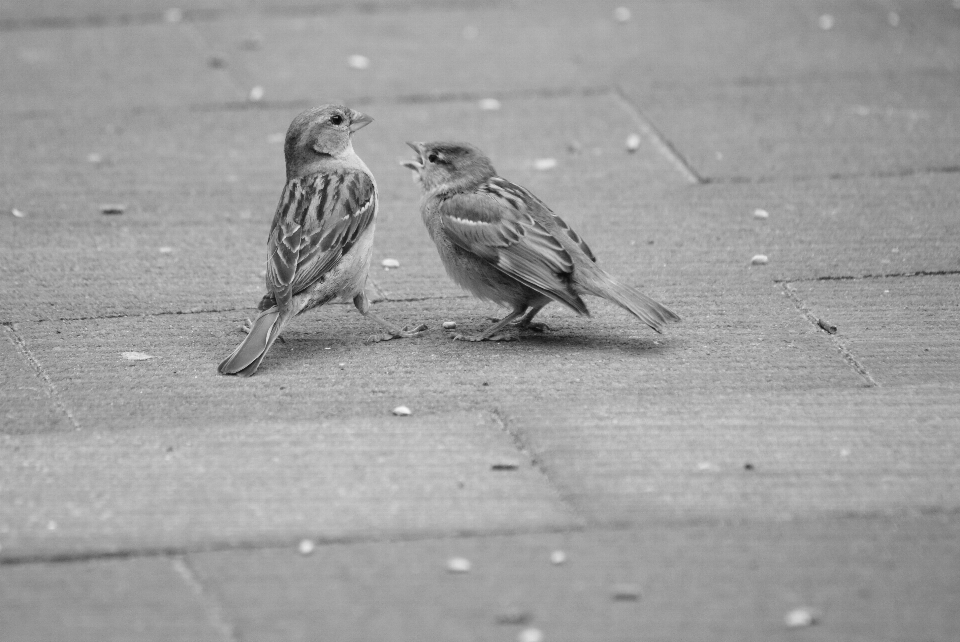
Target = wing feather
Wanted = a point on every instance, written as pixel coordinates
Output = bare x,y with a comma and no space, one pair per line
318,220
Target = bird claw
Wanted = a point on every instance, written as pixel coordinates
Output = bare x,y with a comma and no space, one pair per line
534,326
502,336
406,333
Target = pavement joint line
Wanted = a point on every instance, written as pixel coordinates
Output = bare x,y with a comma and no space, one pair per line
290,543
863,277
436,97
162,313
49,388
845,353
941,513
836,176
95,21
214,610
522,445
657,138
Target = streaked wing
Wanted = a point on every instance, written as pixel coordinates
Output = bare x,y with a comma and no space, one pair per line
498,226
517,195
318,220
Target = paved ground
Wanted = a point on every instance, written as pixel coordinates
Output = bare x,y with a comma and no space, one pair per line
702,484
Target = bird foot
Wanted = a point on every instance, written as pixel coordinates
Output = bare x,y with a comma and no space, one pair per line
406,333
500,336
534,326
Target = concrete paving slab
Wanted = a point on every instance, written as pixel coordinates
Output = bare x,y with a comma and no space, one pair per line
633,460
808,128
103,600
25,401
87,69
865,579
900,330
815,229
94,492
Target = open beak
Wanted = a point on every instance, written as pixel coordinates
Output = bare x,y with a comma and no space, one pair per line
358,120
417,164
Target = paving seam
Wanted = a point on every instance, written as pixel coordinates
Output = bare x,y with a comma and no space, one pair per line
523,446
50,389
848,356
367,7
211,605
655,138
862,277
835,176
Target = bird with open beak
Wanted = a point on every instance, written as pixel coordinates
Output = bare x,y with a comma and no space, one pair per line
321,239
503,244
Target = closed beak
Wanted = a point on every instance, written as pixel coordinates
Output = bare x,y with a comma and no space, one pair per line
358,120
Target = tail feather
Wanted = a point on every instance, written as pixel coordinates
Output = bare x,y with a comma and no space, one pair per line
630,299
247,357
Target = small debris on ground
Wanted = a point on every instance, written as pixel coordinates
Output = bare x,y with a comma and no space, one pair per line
633,142
136,356
622,14
558,557
826,22
489,104
251,42
544,164
759,213
173,15
113,208
356,61
706,465
166,249
799,618
449,325
513,615
256,94
893,18
216,62
829,328
458,565
748,466
306,546
507,463
18,213
759,259
390,263
574,147
530,635
626,592
95,158
402,411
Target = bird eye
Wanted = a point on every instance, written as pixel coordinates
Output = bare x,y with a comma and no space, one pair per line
433,157
336,119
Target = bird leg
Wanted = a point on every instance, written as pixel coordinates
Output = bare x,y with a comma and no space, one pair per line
393,332
526,323
493,332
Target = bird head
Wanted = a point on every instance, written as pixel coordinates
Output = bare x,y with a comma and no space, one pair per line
449,167
319,134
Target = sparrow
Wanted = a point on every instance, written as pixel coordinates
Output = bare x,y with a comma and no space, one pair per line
321,238
503,244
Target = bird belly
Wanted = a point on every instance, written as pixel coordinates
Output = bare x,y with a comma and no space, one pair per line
344,280
482,279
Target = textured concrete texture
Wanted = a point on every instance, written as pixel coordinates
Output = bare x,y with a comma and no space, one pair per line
792,444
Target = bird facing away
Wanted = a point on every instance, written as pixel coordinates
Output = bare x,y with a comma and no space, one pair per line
321,237
503,244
